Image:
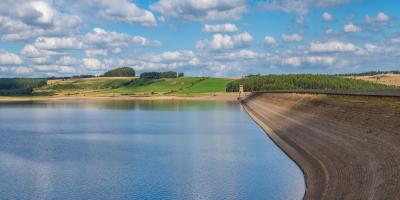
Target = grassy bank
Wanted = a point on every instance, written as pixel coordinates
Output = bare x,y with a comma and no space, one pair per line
120,86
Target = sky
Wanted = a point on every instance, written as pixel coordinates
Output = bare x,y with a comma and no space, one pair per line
217,38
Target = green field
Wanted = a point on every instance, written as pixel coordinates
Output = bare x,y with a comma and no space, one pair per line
134,86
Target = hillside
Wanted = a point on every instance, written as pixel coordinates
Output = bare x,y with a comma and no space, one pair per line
121,86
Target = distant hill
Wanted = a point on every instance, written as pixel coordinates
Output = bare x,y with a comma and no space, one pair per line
120,72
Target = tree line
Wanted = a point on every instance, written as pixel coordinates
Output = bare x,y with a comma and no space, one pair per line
299,82
20,86
128,72
158,75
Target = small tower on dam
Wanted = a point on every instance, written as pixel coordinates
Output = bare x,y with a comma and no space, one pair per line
241,91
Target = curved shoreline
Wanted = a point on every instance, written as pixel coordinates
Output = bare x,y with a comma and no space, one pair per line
341,159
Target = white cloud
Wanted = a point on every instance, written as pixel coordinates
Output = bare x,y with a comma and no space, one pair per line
222,41
44,60
22,20
7,58
123,11
46,15
100,38
67,61
244,53
58,43
170,56
370,47
304,61
292,61
327,16
93,64
91,53
351,28
332,47
142,41
269,41
320,60
292,38
220,28
380,18
30,51
22,70
204,10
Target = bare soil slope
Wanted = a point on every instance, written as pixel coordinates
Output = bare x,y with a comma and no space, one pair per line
386,79
348,147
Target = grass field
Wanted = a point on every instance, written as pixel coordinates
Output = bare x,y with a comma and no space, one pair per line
134,86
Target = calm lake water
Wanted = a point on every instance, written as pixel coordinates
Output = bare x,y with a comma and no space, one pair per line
140,150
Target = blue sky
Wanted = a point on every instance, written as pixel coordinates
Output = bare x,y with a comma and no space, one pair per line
220,38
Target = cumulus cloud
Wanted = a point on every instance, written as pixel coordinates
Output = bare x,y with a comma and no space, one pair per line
67,61
351,28
292,61
245,53
123,11
269,41
22,70
7,58
171,56
23,20
304,61
101,38
31,51
100,42
96,52
379,18
223,41
327,16
292,38
332,47
201,10
58,43
93,64
220,28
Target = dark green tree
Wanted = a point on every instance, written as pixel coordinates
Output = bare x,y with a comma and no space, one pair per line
120,72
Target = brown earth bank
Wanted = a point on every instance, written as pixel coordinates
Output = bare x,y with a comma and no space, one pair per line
347,146
386,79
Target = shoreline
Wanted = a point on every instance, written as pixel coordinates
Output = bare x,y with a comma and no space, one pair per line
346,146
199,97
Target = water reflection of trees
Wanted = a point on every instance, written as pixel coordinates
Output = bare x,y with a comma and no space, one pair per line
168,105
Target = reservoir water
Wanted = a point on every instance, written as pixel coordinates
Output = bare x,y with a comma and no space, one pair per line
140,150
